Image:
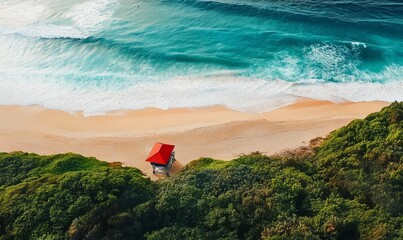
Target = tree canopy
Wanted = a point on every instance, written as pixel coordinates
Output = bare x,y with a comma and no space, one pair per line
347,186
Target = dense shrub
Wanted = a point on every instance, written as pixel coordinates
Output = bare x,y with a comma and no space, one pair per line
349,186
67,196
363,160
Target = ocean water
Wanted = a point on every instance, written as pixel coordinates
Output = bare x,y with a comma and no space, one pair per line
249,55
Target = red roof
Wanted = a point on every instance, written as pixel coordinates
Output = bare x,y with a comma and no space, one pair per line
160,153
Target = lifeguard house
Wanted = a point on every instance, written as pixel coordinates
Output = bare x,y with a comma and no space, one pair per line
161,157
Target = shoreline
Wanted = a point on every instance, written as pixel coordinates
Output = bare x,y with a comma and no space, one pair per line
217,132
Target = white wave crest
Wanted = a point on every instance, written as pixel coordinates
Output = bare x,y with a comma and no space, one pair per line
50,31
243,94
33,20
91,15
359,44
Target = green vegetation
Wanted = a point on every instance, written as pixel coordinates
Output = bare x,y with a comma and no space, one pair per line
348,186
68,196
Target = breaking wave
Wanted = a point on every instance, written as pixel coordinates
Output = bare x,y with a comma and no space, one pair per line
101,55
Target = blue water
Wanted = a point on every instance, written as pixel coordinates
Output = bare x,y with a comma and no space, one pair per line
249,55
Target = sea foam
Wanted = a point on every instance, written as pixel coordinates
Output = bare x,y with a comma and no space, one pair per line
91,16
251,95
27,19
21,14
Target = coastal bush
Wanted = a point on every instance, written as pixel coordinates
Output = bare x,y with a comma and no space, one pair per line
66,196
363,160
347,186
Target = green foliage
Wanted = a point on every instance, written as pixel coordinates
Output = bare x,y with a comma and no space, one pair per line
67,196
348,187
364,159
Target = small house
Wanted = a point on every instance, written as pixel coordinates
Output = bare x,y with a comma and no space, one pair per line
161,157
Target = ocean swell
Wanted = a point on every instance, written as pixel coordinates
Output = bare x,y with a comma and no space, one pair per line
101,55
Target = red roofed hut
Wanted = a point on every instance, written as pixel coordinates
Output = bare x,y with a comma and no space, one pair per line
161,157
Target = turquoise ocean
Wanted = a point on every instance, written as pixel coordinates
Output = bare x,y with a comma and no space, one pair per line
249,55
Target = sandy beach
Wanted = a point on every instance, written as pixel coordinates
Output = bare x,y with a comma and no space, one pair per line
217,132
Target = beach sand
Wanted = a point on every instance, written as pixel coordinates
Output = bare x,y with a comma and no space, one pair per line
217,132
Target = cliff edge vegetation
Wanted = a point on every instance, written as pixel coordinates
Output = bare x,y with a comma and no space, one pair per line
347,186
